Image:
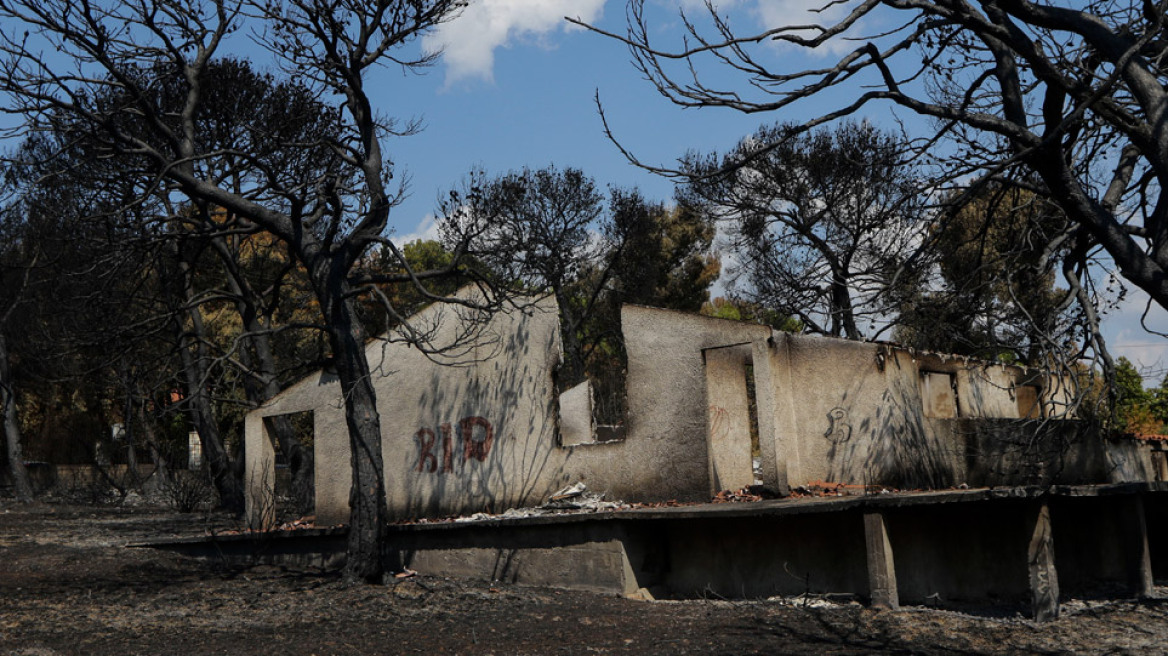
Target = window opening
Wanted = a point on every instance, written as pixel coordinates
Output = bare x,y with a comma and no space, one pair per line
1029,400
939,394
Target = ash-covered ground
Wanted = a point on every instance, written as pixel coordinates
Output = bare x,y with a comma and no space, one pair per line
69,585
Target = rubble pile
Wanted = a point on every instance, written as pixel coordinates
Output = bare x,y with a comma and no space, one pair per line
574,498
829,489
748,494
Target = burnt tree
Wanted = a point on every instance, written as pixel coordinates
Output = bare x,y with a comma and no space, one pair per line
328,221
1074,96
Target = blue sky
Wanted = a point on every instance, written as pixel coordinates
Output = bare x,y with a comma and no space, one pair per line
516,84
516,96
515,88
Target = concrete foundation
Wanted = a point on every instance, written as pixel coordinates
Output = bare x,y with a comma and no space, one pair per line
581,556
1012,547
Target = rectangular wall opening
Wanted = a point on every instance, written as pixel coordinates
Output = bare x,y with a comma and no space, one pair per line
939,394
1029,400
293,478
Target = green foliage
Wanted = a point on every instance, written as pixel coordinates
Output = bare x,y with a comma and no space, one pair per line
662,255
1136,408
113,250
736,309
397,301
994,296
1129,385
1159,401
657,255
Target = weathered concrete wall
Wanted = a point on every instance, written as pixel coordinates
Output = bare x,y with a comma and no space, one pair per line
873,414
577,423
788,556
1108,544
1000,452
945,554
479,432
485,430
1156,508
1158,458
851,412
1013,547
581,556
470,430
1128,461
668,411
45,476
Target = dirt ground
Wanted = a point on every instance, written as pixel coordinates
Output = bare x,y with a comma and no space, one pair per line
69,585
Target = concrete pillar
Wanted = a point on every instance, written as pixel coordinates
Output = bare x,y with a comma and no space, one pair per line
777,429
773,473
882,590
1136,554
1044,587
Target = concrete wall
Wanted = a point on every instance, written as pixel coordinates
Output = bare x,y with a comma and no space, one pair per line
1129,461
484,430
469,430
581,556
729,441
944,554
479,431
46,476
764,557
997,452
874,414
667,425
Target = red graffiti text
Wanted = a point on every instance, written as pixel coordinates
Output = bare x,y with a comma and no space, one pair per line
477,435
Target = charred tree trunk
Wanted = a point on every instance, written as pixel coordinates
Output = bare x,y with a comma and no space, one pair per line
132,477
844,316
369,514
20,480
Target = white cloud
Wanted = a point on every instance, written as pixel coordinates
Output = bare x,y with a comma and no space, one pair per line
691,5
427,229
806,12
769,14
469,41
